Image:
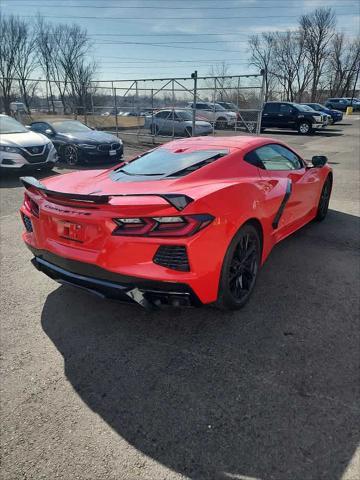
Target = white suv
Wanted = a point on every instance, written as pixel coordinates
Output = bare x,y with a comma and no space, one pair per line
214,113
21,148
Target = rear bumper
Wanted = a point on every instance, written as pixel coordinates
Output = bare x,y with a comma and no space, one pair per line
106,284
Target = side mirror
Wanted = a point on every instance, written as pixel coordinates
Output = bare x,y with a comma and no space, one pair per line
48,131
319,161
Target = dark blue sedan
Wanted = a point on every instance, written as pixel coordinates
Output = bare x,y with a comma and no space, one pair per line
336,115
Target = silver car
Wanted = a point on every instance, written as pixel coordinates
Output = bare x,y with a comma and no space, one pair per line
20,148
177,122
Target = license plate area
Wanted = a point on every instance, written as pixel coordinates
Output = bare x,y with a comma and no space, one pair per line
112,153
71,231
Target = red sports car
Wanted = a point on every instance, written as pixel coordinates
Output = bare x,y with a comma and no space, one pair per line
188,223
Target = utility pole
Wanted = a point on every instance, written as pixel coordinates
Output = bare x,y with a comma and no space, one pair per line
194,76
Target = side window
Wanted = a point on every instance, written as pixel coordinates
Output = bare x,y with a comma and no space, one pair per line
286,109
39,127
253,159
162,115
201,106
272,108
277,157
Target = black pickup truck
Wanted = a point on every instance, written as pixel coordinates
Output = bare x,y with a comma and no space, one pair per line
292,116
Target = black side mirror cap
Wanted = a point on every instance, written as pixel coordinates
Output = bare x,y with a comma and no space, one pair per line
319,161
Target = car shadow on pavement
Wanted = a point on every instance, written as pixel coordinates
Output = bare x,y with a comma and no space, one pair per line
269,392
331,132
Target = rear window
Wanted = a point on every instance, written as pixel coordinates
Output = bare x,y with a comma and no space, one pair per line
272,108
162,162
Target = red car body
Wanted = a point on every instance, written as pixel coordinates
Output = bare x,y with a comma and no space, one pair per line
71,230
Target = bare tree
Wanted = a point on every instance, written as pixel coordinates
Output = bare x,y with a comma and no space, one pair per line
64,50
46,47
26,60
343,65
290,64
262,57
74,46
9,47
318,29
222,84
81,81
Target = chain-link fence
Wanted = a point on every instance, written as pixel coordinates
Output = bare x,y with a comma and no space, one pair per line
144,109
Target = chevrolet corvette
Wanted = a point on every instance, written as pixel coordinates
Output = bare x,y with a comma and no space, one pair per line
188,223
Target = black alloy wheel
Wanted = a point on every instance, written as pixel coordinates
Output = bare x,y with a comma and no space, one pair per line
70,155
240,269
323,205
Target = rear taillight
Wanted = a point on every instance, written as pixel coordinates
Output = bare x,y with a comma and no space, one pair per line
31,206
177,226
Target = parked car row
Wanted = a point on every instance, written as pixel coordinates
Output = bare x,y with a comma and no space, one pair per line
42,143
305,118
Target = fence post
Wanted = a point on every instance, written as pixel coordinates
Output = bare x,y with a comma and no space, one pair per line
152,127
237,103
194,77
173,112
115,106
214,101
261,102
84,103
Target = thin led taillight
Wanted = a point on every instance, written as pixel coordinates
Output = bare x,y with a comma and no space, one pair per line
31,205
177,226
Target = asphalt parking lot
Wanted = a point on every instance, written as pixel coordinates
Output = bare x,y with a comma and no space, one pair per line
95,390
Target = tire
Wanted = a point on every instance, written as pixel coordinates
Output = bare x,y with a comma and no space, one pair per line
70,155
221,123
324,200
240,269
304,128
154,130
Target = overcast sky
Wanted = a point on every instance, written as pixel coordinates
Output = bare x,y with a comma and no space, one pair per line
189,34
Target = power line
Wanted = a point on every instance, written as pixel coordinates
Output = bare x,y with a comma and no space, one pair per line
141,7
324,2
172,46
173,66
167,43
232,17
160,60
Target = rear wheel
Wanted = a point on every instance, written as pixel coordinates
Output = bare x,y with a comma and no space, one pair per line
155,130
323,205
304,128
221,123
240,269
188,132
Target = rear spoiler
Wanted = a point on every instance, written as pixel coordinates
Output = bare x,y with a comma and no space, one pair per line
176,200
